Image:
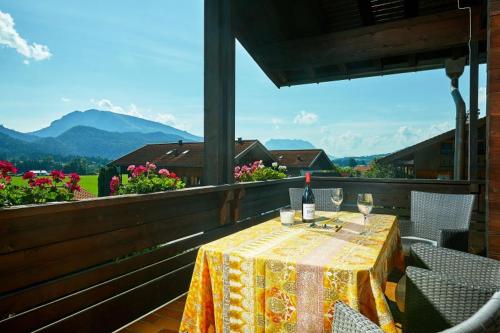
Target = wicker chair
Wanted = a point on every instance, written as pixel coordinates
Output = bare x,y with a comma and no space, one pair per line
453,263
438,219
486,320
347,320
436,301
321,198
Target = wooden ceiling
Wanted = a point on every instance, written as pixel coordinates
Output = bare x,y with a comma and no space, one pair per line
312,41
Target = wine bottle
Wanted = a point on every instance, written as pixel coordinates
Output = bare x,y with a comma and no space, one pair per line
308,201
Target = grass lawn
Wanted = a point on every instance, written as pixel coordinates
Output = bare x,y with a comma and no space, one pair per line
88,182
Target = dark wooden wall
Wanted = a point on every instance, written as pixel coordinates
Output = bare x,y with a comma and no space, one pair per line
493,114
94,266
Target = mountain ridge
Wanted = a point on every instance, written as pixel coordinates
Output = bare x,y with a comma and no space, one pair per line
110,122
83,141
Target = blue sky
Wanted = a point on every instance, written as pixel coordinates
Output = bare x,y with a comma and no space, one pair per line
146,59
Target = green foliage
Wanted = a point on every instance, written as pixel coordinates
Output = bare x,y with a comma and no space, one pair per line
145,179
381,170
347,171
149,183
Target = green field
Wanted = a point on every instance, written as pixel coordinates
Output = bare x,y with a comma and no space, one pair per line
88,182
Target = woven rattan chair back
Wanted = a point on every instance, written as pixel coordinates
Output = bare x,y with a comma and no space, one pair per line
347,320
442,211
321,198
486,320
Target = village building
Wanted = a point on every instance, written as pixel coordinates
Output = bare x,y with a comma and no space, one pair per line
434,158
300,161
186,158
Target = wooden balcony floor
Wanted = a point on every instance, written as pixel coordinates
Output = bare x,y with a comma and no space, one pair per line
166,319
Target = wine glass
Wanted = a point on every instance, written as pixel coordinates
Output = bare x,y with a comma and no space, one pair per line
365,206
337,196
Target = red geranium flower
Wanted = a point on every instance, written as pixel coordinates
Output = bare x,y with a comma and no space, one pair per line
41,182
29,175
57,175
139,171
6,168
75,178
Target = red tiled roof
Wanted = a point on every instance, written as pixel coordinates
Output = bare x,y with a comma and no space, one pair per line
296,158
362,168
188,154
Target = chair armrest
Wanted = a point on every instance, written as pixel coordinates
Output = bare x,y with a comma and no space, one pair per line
456,264
442,300
347,320
457,239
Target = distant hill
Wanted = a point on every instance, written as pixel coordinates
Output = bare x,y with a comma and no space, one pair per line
111,122
358,160
284,144
82,141
17,135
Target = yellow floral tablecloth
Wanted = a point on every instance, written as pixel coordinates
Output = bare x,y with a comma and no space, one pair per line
272,278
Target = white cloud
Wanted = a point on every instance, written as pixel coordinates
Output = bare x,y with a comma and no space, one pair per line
134,110
353,143
65,100
170,119
305,118
9,37
276,122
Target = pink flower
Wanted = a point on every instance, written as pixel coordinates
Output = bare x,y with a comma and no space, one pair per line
164,172
114,184
150,166
131,168
139,171
57,175
2,186
237,169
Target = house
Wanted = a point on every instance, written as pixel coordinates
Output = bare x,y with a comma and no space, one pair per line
186,159
299,161
433,158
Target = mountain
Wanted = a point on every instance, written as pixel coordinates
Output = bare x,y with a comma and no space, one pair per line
89,141
111,122
356,160
17,135
285,144
82,141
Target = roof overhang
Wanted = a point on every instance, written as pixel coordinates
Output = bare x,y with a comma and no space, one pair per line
311,41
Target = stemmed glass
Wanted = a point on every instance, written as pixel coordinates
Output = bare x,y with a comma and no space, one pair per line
365,206
337,196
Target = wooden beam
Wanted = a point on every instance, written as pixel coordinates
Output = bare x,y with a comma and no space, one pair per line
473,109
493,131
411,8
419,34
219,93
365,11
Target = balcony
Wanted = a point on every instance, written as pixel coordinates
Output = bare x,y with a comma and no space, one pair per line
97,265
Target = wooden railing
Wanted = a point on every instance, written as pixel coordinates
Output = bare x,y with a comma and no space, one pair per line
96,265
59,266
